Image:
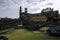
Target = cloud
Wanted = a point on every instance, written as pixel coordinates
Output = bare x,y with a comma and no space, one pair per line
32,5
10,8
49,3
8,4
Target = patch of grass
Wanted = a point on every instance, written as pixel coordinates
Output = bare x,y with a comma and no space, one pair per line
23,34
44,28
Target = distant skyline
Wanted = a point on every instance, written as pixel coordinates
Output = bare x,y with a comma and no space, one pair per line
10,8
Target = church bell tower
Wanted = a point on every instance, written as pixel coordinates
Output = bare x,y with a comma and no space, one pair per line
20,12
25,10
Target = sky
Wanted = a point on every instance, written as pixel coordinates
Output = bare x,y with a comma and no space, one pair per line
10,8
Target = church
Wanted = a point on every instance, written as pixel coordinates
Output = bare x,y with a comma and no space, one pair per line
32,17
45,14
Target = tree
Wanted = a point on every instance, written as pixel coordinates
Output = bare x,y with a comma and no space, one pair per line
49,12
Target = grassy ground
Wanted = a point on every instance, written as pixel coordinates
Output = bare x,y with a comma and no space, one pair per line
23,34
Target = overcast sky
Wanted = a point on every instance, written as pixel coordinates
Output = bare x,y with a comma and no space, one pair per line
10,8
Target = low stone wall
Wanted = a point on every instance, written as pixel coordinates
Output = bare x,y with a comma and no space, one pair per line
3,38
5,31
